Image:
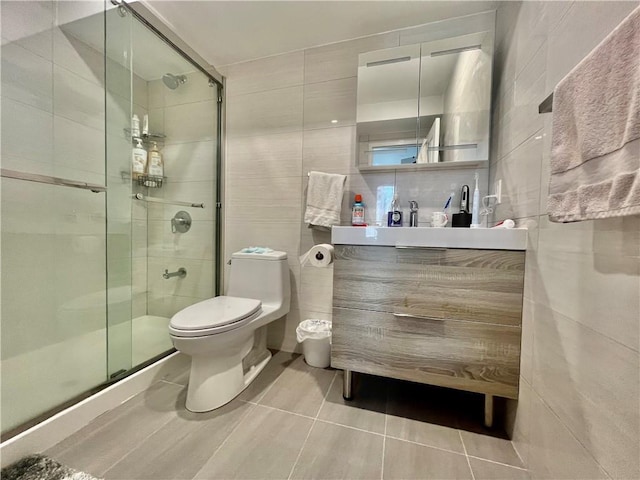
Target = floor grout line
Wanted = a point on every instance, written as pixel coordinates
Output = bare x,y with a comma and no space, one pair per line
425,445
498,463
312,425
384,443
464,447
242,419
173,383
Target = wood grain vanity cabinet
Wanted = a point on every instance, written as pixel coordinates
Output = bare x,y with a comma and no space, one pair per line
442,316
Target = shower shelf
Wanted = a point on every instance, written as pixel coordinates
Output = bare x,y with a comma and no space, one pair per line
149,137
151,181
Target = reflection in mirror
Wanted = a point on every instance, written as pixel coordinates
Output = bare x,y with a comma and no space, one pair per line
455,89
387,113
425,104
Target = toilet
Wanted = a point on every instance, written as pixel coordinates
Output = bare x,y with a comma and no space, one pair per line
221,334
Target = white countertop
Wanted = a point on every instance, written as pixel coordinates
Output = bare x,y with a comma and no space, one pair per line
480,238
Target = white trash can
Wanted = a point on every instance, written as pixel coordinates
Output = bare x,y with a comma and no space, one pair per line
315,336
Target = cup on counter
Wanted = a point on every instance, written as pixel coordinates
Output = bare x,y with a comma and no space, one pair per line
439,219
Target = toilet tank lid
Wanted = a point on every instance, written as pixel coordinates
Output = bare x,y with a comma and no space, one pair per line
260,254
215,312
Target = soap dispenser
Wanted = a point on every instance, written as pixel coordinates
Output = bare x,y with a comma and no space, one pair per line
394,218
139,159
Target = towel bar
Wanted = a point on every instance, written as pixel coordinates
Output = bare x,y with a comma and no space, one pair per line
547,105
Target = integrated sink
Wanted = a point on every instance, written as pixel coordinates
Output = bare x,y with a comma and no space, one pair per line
477,238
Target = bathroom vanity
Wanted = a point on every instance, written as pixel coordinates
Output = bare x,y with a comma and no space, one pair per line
441,306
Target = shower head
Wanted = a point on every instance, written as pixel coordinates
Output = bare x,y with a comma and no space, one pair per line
173,81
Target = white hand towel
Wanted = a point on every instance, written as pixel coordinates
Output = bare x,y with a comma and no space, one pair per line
595,154
324,199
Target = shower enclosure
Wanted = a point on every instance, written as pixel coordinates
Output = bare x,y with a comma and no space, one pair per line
89,247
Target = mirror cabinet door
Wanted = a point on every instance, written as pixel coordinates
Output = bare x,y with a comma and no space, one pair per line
387,112
455,98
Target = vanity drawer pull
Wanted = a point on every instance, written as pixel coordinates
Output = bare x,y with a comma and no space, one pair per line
408,315
418,247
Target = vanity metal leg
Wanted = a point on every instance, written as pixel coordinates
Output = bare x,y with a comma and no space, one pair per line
346,385
488,411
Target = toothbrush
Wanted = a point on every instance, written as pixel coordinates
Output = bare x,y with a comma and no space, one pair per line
446,205
476,204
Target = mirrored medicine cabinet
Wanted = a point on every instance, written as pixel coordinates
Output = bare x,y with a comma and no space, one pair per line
426,105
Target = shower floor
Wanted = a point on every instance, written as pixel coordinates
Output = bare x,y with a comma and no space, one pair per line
66,369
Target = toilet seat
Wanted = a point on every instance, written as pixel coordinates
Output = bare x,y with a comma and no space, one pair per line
213,316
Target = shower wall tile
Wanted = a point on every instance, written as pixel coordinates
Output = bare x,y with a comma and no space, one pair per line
197,243
340,60
29,24
264,156
78,57
328,101
274,111
269,73
193,122
27,133
78,147
190,161
26,77
196,89
192,192
155,94
78,99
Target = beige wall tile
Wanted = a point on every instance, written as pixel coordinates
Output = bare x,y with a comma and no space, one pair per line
340,60
330,150
184,162
27,133
593,290
27,77
78,99
437,30
77,56
30,25
555,453
328,101
592,383
275,111
261,156
192,122
260,200
269,73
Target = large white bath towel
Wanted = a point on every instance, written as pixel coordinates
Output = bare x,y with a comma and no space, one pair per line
324,199
595,153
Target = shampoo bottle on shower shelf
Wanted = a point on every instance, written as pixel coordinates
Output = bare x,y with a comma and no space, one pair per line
139,159
156,167
135,126
357,212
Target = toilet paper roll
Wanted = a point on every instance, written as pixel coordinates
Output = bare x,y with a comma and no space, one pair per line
320,256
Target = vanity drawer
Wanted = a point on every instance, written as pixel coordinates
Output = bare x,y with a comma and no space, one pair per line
483,286
458,354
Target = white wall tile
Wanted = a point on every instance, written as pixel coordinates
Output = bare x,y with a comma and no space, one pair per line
328,101
275,111
193,122
78,99
253,200
78,57
264,156
340,60
27,77
78,147
184,162
27,132
29,24
269,73
330,150
592,383
554,452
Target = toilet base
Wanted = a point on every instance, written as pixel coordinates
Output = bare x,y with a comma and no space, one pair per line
217,379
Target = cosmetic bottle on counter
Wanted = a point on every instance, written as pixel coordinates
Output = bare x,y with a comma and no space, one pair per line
394,217
357,212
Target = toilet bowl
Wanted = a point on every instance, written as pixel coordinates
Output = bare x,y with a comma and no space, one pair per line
223,335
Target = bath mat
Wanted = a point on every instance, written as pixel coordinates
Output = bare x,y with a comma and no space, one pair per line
40,467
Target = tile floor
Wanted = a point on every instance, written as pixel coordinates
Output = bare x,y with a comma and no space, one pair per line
292,423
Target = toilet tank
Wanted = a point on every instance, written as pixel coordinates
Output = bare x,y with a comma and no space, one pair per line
262,276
